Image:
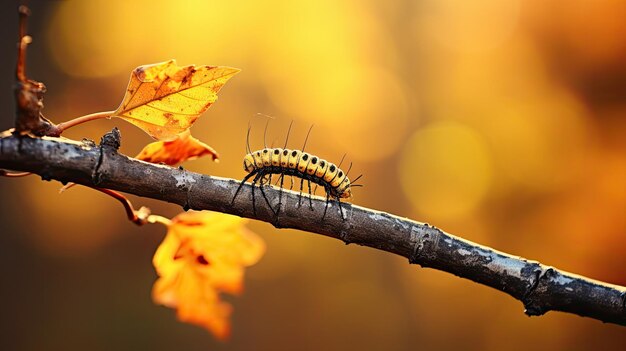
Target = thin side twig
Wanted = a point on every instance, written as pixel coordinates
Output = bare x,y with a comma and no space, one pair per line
139,217
7,174
539,287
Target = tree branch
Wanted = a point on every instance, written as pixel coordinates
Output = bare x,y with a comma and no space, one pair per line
540,288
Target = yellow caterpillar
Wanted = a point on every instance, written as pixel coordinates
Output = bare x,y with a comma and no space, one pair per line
299,164
296,163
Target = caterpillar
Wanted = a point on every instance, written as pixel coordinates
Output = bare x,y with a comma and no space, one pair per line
262,164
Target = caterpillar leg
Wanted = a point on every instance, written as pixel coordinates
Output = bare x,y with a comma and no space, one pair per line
254,181
300,196
340,210
261,183
245,179
310,200
327,201
279,178
280,192
264,179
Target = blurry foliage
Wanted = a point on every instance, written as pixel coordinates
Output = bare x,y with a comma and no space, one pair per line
500,121
184,147
203,255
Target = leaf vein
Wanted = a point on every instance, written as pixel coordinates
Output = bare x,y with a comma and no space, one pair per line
172,112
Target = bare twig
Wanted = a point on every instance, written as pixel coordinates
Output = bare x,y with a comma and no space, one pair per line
139,217
540,288
29,93
22,42
4,173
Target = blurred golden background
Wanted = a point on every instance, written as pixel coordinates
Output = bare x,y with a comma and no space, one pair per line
503,122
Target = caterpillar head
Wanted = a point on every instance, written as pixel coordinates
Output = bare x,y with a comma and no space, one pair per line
346,194
344,191
248,163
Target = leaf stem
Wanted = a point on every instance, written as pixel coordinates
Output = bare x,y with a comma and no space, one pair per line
63,126
159,219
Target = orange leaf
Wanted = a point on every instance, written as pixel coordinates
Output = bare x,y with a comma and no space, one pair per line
164,99
184,147
202,255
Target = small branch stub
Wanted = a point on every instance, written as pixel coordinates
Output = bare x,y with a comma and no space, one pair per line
112,139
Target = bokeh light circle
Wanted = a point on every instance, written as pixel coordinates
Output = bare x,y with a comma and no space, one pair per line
446,170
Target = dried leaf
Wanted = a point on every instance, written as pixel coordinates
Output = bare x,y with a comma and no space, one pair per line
202,255
164,99
184,147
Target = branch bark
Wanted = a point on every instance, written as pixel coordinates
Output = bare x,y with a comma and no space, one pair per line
540,288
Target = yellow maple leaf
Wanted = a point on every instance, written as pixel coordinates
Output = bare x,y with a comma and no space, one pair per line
184,147
164,99
203,254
